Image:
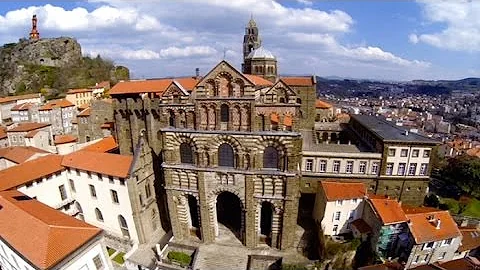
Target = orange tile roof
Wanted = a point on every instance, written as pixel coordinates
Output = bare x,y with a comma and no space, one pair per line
470,238
298,81
320,104
82,107
31,134
3,133
28,171
43,235
343,190
20,97
257,80
107,125
467,263
20,154
61,139
28,126
104,84
58,103
151,86
79,90
106,144
104,163
388,210
22,107
85,112
424,231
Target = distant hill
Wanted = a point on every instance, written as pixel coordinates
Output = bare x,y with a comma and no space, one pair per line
54,63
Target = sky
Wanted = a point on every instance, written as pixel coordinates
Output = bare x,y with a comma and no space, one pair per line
385,40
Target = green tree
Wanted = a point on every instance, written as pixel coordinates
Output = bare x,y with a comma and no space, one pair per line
464,171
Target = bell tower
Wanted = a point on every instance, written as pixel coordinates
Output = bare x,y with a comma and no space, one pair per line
34,34
251,40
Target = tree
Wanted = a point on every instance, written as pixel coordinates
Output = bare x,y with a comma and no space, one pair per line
464,171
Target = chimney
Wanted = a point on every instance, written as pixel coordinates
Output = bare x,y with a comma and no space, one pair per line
405,133
197,73
438,224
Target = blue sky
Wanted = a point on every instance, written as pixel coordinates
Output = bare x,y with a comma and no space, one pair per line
394,40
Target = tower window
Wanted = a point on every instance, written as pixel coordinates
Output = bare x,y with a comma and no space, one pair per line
224,113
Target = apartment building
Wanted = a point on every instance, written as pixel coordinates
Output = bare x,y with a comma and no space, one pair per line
38,135
59,113
7,103
337,205
25,112
39,237
80,96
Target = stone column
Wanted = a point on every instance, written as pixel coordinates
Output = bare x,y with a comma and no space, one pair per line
208,235
250,228
276,227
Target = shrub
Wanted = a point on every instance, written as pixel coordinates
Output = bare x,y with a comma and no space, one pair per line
119,258
180,257
450,204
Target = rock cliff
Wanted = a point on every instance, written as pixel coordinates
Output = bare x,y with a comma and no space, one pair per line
30,65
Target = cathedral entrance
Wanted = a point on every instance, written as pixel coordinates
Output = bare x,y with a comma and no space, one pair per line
229,215
266,217
194,217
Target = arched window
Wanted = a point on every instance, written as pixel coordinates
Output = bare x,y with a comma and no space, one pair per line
270,157
282,100
123,226
186,155
225,155
171,119
154,219
299,101
98,214
80,211
224,113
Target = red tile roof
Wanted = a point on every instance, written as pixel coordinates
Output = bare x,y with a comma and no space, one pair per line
61,139
463,264
107,125
85,112
43,235
320,104
31,170
423,224
25,127
20,97
104,84
343,190
22,107
298,81
106,144
20,154
104,163
388,210
58,103
257,80
79,90
31,134
151,86
3,133
470,239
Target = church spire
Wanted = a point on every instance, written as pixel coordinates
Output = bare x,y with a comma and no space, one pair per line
34,34
251,39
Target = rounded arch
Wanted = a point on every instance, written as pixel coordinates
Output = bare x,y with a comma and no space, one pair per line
123,226
80,211
270,158
186,153
224,113
273,143
226,155
230,213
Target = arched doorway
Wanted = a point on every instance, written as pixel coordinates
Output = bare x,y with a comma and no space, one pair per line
229,214
194,217
266,218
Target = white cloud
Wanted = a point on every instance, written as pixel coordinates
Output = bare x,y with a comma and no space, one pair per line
189,51
413,38
305,2
462,24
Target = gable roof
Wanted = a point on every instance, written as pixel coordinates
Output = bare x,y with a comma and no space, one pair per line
97,162
22,107
342,190
61,139
280,82
223,62
106,144
20,97
470,238
28,126
43,235
298,81
320,104
28,171
388,210
79,90
257,80
20,154
151,85
178,85
423,224
57,103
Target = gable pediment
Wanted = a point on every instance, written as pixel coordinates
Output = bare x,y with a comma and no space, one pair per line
280,87
174,89
224,69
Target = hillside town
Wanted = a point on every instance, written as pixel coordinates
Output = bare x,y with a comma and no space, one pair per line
236,169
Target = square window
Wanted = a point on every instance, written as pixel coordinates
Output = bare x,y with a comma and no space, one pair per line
336,166
426,153
389,169
423,169
349,167
391,152
323,165
114,196
99,175
339,202
413,169
362,168
404,153
401,168
337,215
415,152
309,165
93,192
375,168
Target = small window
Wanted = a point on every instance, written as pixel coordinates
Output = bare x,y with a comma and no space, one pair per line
339,202
63,192
375,168
404,153
447,241
401,168
337,215
349,167
391,152
423,169
97,261
335,229
99,175
148,192
354,201
415,152
93,192
114,196
122,182
389,169
426,153
309,165
224,113
140,198
323,165
412,169
336,166
78,172
98,214
362,168
110,179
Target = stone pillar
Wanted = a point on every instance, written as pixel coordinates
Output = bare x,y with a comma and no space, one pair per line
172,210
290,212
208,235
276,227
250,228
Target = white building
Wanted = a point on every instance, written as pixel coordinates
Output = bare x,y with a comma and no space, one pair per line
338,204
35,236
30,134
60,114
7,103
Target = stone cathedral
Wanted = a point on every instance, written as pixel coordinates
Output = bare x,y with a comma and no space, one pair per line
225,146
